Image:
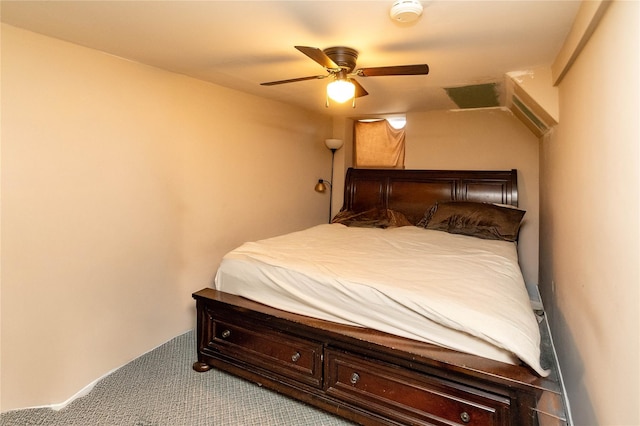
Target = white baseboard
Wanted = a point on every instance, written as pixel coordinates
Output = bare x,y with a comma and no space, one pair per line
88,388
82,392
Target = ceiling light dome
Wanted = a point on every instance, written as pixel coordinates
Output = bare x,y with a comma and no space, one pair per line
341,90
406,10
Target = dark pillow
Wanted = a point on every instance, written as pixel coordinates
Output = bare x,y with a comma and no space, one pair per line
373,218
482,220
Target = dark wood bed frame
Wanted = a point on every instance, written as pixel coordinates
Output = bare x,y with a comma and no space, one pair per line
371,377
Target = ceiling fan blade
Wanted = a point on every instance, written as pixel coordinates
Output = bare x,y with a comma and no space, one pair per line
420,69
293,80
360,91
319,56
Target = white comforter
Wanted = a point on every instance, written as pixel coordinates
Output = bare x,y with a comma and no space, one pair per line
459,292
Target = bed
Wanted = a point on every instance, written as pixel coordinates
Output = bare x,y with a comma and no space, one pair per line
383,318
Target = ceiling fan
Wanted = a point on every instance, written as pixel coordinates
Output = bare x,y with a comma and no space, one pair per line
340,64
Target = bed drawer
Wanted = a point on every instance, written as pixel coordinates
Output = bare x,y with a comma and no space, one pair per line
408,397
270,350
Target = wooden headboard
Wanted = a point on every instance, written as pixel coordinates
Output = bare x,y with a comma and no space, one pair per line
411,192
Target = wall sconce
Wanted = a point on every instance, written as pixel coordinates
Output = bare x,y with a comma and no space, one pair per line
321,186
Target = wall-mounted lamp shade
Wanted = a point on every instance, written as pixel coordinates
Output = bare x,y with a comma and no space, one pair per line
320,186
341,90
334,143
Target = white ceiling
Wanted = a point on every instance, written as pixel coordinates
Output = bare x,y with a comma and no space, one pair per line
239,44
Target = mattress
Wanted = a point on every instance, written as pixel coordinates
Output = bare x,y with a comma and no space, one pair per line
456,291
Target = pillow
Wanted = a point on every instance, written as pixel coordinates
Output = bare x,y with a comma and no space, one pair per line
373,218
482,220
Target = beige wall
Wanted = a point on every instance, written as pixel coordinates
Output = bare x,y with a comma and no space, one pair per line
122,187
589,265
487,139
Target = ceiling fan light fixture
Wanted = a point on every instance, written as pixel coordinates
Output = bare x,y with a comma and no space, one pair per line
406,10
341,90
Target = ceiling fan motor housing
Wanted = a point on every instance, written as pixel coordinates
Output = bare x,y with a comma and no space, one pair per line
344,57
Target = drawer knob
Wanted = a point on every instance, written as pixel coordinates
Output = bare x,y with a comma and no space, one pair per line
295,357
226,334
355,377
465,417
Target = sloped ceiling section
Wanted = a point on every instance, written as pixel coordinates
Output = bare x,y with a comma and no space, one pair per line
528,109
532,95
